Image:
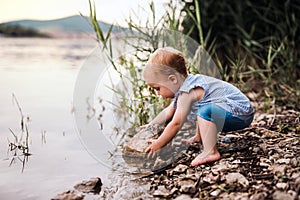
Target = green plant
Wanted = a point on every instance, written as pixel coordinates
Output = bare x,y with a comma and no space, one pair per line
254,43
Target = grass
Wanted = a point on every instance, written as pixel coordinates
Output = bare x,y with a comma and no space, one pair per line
255,46
18,148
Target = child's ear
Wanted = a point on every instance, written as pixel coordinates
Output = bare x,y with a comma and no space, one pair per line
173,79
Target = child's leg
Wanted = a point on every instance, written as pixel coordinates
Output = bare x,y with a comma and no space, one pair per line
195,138
208,133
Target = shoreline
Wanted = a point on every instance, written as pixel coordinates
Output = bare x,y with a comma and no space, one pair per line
259,162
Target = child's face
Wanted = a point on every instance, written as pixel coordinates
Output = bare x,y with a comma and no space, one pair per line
162,84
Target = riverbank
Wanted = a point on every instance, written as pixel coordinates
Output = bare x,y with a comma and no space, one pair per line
259,162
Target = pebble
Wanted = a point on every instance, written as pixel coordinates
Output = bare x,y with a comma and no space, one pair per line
263,164
258,196
284,161
226,140
215,193
294,162
237,178
282,186
279,195
187,186
183,197
278,169
180,168
90,186
69,195
161,192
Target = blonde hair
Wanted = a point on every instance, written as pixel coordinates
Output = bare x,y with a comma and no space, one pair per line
168,60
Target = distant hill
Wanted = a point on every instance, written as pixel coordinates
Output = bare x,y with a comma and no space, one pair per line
69,25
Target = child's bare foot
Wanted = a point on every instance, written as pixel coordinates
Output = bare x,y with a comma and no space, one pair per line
205,157
192,140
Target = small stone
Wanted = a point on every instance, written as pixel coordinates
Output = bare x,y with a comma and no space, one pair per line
237,178
183,197
69,195
226,140
173,190
236,162
284,161
211,177
258,196
220,167
292,193
296,175
187,186
282,186
161,192
256,149
279,195
294,162
239,196
215,193
180,168
93,185
278,169
263,164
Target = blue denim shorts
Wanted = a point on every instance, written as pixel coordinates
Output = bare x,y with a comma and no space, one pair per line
224,120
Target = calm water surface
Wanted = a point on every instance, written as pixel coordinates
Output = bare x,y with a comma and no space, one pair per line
41,73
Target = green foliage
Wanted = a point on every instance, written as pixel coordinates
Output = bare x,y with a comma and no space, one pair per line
254,43
136,100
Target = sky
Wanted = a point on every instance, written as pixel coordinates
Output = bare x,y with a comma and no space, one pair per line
110,11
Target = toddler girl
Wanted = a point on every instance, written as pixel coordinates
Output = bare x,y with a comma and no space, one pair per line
218,105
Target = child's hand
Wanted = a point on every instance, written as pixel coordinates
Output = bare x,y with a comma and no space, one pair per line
144,126
154,146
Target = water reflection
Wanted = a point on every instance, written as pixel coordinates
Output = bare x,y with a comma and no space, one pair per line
41,73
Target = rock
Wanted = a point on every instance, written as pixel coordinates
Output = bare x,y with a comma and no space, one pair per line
180,168
226,140
256,149
282,186
278,169
161,192
69,195
215,193
187,186
183,197
263,164
134,151
284,161
258,196
91,186
279,195
236,196
221,166
139,142
237,178
294,162
211,177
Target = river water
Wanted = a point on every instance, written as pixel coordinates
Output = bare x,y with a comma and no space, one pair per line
40,75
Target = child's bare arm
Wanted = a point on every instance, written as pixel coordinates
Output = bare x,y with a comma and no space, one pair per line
165,115
183,108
